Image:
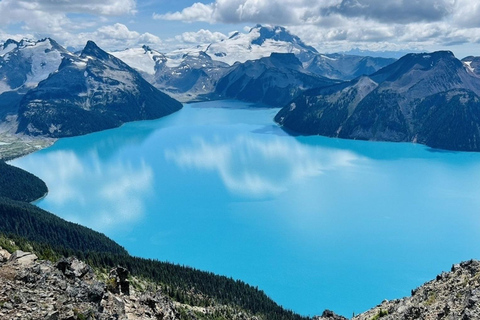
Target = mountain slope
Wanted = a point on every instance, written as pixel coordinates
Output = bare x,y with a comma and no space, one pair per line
425,98
274,80
93,92
451,295
195,75
145,60
345,67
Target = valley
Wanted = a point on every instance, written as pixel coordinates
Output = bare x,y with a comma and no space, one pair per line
243,158
269,206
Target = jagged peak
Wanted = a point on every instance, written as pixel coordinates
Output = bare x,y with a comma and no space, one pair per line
10,41
91,49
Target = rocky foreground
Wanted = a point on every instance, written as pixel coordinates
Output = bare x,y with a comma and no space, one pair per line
452,295
70,289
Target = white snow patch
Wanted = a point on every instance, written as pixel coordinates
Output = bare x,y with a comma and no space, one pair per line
327,58
9,48
4,87
468,64
139,59
80,64
44,59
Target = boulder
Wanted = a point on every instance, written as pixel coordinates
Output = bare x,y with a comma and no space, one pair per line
23,258
4,255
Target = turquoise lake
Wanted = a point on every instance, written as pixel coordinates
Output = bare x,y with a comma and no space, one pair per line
314,222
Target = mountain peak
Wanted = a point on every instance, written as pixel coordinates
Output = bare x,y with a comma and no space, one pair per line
418,61
91,49
8,42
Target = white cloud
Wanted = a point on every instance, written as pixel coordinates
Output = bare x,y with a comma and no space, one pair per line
112,37
94,7
197,12
62,19
201,36
334,25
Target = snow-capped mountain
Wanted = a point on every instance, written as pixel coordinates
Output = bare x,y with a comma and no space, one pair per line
185,74
273,80
24,64
194,77
431,99
192,73
260,42
92,92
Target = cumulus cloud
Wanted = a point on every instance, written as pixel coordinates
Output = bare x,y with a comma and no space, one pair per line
105,7
197,12
339,24
62,19
109,37
201,36
396,11
316,12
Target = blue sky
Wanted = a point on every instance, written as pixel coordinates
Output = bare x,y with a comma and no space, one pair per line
328,25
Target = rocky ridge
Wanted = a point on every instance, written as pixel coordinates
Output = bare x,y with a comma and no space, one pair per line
274,80
432,99
89,93
70,289
452,295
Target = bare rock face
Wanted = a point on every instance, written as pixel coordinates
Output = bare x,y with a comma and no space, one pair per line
23,258
69,289
329,315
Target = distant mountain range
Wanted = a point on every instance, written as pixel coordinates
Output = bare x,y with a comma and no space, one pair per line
425,98
273,80
431,99
203,73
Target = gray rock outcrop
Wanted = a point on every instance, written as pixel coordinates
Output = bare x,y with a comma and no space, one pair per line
452,295
69,289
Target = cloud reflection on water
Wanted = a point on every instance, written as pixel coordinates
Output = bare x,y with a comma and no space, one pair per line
90,191
249,165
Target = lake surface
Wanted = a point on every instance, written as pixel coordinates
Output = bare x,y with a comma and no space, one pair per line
314,222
